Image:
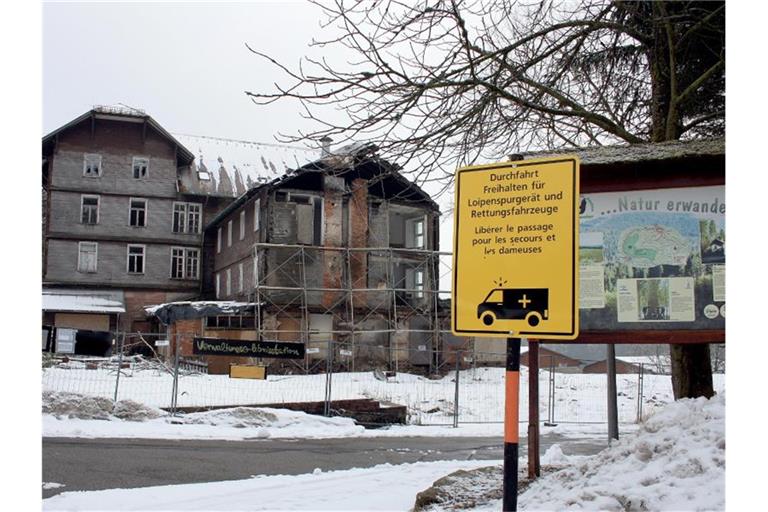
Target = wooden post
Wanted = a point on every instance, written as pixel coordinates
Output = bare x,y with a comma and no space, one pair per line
534,461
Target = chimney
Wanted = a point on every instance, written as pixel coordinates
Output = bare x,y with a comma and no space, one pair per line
325,146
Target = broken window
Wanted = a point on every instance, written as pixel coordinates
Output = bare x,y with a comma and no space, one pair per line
138,213
414,282
184,263
89,209
92,165
140,166
186,217
414,232
136,259
407,228
87,256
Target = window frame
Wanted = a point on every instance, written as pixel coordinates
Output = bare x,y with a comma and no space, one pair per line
218,285
256,214
96,257
143,259
228,282
240,273
83,197
146,211
242,224
218,240
185,216
185,257
229,233
91,156
133,167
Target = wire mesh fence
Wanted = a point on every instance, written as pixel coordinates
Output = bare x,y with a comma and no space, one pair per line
468,387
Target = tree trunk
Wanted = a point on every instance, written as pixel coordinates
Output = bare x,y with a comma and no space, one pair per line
691,371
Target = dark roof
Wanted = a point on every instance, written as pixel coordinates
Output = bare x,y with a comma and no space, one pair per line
630,153
185,157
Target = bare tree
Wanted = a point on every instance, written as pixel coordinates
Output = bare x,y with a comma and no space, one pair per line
442,83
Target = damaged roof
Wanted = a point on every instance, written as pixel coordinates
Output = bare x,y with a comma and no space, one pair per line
351,161
170,312
235,166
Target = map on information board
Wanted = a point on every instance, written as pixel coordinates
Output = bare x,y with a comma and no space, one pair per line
653,259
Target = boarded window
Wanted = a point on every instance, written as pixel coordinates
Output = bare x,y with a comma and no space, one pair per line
87,256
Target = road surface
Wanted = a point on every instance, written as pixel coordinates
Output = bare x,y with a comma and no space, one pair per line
92,464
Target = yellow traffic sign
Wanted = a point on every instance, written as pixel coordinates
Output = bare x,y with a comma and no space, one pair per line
515,249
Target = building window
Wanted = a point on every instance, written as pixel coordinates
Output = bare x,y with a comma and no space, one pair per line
140,167
186,217
92,165
414,233
242,224
309,218
240,276
256,208
218,240
87,256
137,216
414,283
228,282
184,263
89,209
229,234
136,259
218,286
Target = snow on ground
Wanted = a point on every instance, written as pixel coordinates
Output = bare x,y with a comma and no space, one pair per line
579,398
676,461
382,487
72,415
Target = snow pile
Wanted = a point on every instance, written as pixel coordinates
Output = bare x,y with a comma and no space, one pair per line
275,422
74,415
61,404
675,462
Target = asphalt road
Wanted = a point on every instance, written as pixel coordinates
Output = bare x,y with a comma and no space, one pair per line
92,464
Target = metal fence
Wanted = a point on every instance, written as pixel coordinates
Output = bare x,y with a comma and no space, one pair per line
468,387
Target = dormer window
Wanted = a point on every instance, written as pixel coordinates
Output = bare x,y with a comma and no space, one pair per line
140,167
92,165
203,175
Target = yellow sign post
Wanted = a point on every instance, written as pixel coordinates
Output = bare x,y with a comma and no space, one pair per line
515,268
515,256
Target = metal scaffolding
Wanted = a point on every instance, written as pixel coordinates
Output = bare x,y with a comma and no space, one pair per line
403,305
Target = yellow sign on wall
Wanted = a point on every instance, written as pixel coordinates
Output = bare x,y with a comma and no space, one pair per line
515,252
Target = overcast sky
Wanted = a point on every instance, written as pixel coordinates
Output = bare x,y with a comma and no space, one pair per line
186,64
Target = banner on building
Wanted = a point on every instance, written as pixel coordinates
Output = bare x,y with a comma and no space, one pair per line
271,349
